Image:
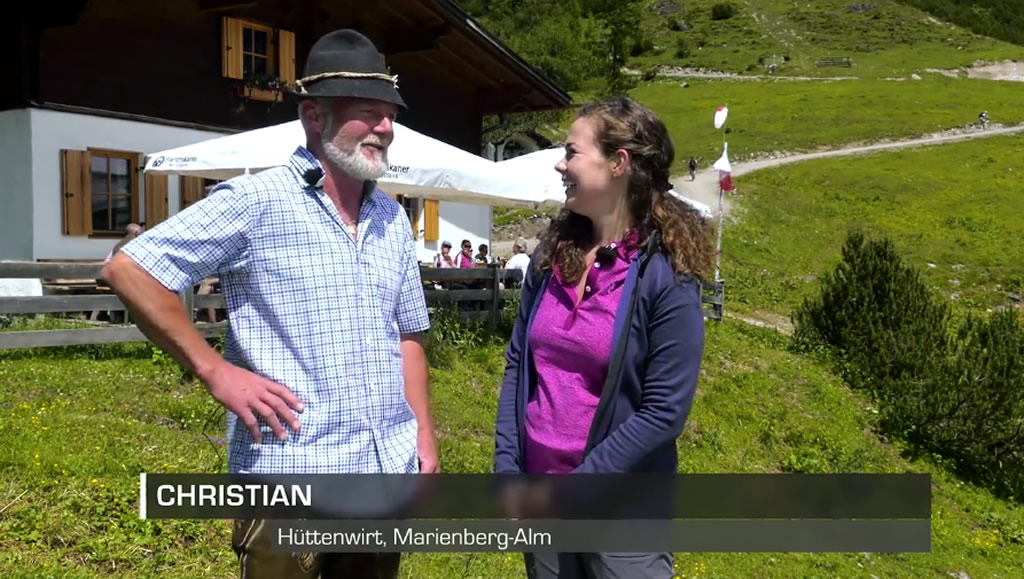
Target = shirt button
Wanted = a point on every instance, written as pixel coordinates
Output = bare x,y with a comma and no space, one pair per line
597,265
588,288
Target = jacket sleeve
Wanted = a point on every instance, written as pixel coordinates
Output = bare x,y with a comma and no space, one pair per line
506,437
676,346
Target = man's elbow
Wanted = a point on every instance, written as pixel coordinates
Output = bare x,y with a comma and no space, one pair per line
113,271
121,272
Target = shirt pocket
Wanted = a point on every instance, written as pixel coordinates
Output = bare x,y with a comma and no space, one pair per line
385,279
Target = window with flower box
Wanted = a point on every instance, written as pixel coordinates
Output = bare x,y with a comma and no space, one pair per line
261,57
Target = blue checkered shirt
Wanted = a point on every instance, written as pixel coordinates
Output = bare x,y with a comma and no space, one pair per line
308,307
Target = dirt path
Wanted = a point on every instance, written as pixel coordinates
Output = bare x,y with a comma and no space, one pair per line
705,187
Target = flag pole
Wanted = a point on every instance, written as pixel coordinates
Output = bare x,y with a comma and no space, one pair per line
718,252
718,247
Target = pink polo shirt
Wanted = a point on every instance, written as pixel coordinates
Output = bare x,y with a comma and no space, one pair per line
571,344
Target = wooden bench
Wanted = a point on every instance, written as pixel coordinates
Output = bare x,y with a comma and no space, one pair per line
835,61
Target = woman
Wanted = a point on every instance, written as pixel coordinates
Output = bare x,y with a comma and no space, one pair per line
604,357
444,259
465,257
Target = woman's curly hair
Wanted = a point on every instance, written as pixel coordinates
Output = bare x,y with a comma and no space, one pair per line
622,123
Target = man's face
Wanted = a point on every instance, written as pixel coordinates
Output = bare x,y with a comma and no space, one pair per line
356,135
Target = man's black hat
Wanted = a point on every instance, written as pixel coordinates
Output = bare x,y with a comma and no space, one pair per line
344,63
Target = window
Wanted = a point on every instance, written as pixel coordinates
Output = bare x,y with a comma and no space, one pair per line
431,216
100,191
257,50
260,56
412,211
112,186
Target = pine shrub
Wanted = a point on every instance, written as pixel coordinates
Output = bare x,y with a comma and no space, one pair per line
954,394
876,314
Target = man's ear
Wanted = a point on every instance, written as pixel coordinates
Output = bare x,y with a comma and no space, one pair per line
311,116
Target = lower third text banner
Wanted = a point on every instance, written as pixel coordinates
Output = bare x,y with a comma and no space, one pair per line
577,497
580,536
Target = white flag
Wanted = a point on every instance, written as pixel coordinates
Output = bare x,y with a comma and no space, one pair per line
724,168
722,164
720,116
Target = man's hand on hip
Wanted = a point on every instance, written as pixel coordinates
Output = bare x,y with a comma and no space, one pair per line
249,395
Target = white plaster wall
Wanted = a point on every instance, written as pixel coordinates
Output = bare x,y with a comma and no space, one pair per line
457,221
16,185
52,131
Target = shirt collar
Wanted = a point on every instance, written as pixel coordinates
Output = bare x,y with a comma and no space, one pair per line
303,160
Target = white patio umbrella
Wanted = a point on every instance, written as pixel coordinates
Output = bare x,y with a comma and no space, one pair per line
420,166
540,165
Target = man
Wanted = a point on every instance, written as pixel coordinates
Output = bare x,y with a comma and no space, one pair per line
325,371
482,257
520,261
520,258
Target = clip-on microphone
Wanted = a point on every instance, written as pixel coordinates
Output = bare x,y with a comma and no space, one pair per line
606,254
314,177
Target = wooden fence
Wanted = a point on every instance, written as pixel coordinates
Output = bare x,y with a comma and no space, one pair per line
71,288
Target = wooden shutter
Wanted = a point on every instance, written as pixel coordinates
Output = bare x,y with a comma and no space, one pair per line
431,219
191,189
156,199
231,42
76,192
286,57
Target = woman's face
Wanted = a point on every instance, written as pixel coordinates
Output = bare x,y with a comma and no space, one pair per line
589,176
467,248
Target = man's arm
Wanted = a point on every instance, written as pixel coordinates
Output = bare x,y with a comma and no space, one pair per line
160,315
417,393
183,249
411,316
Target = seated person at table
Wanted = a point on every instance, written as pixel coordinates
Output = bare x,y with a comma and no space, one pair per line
482,257
465,257
445,259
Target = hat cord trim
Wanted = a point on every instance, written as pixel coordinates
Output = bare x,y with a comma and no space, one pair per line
300,85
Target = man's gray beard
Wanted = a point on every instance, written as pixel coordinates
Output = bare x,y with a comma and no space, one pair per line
354,163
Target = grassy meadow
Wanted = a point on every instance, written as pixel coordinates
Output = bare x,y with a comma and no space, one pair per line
79,424
804,116
953,211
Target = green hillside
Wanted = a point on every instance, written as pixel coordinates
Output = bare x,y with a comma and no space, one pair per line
1002,19
884,38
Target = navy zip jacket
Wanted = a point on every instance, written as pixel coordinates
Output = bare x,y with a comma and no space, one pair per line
652,375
